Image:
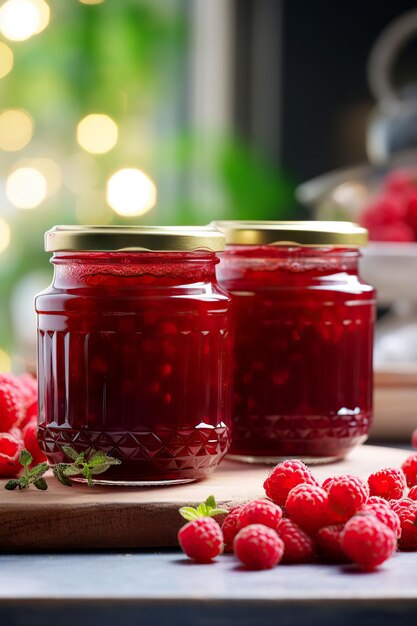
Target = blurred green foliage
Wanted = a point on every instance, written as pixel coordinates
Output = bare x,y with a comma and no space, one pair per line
128,59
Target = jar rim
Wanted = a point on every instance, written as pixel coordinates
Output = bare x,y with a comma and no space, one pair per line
284,233
134,238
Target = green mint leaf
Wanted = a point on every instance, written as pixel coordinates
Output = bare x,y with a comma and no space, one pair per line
40,483
38,471
12,484
96,458
23,482
215,512
210,502
25,458
80,458
87,473
72,470
101,458
99,469
70,452
59,474
188,513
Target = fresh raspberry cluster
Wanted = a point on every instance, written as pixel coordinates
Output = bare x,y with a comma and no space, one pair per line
18,422
346,519
392,214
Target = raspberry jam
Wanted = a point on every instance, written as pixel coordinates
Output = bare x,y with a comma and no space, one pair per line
303,350
134,357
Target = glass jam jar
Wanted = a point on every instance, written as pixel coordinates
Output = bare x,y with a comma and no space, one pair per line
134,354
303,321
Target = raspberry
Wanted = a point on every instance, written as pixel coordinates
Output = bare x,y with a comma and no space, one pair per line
382,511
260,512
330,544
412,494
258,547
284,477
30,442
398,181
201,539
230,528
409,468
30,414
367,541
298,546
308,506
391,232
388,483
29,388
406,510
11,402
346,495
10,448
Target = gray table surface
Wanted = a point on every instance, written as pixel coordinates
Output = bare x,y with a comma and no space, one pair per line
165,588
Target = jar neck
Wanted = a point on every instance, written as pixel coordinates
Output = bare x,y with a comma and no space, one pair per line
132,269
295,258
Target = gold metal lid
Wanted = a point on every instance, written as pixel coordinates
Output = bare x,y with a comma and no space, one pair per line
134,238
304,233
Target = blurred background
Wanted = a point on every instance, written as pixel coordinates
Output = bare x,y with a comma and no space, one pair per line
184,111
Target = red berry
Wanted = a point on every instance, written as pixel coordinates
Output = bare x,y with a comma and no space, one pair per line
308,506
411,210
298,546
329,541
406,510
391,232
11,402
284,477
29,388
409,468
10,448
398,181
414,439
346,495
260,512
367,541
30,442
201,539
412,494
258,547
230,528
382,511
387,483
30,414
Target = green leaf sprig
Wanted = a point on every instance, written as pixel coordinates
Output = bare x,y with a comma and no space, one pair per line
96,462
30,476
205,509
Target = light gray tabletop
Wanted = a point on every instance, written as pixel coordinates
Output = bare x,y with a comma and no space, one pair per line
167,589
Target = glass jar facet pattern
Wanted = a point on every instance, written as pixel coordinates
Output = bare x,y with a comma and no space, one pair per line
303,323
134,359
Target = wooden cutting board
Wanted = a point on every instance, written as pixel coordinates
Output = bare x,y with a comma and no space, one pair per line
79,517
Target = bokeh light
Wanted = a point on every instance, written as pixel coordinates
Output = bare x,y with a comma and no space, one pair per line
26,188
4,235
16,129
97,133
5,361
21,19
6,59
130,192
